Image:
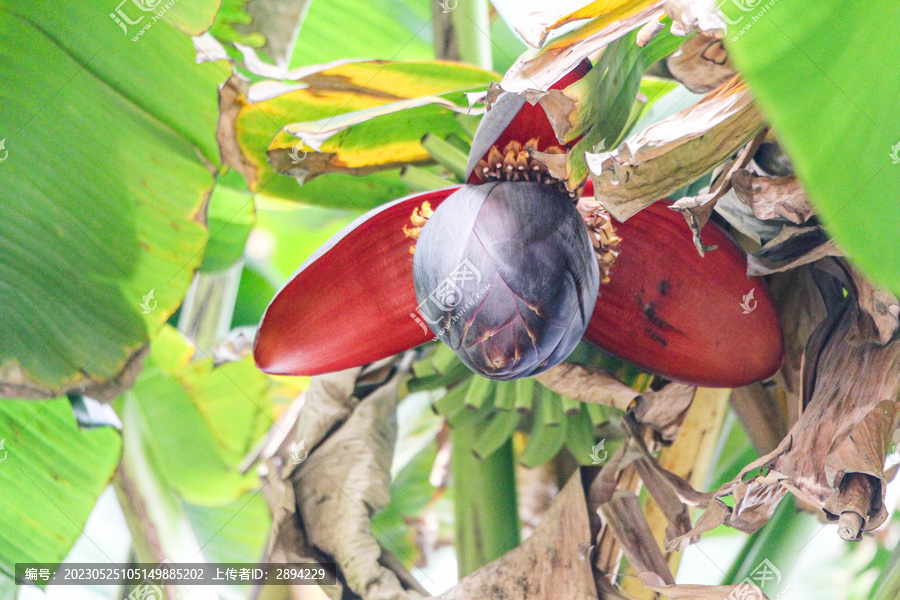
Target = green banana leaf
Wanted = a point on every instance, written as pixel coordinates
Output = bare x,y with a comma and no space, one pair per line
384,29
811,67
51,474
231,216
197,421
104,181
368,138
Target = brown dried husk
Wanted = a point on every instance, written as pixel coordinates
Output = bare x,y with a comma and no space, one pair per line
833,457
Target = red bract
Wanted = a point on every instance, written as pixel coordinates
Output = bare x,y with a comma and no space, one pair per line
674,313
350,303
666,309
512,119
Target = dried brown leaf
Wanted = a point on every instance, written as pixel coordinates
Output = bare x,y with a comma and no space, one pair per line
624,516
336,497
557,164
755,503
833,458
666,499
587,384
716,513
773,197
553,563
800,309
878,312
232,98
664,410
701,64
712,592
792,248
562,110
699,209
675,152
852,504
742,220
322,505
855,465
685,491
603,484
678,467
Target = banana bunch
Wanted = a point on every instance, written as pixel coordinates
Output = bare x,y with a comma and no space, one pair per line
501,408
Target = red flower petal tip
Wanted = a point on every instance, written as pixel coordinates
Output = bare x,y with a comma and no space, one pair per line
352,302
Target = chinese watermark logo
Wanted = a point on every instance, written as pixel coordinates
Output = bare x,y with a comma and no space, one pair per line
148,304
748,303
764,574
124,18
895,153
4,153
743,5
299,452
297,154
448,5
448,296
3,452
746,6
598,453
146,591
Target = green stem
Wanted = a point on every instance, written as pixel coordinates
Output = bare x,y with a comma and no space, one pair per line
446,154
421,180
159,526
888,584
462,31
487,520
473,32
209,306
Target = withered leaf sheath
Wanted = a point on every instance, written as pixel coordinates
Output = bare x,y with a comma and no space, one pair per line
506,276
